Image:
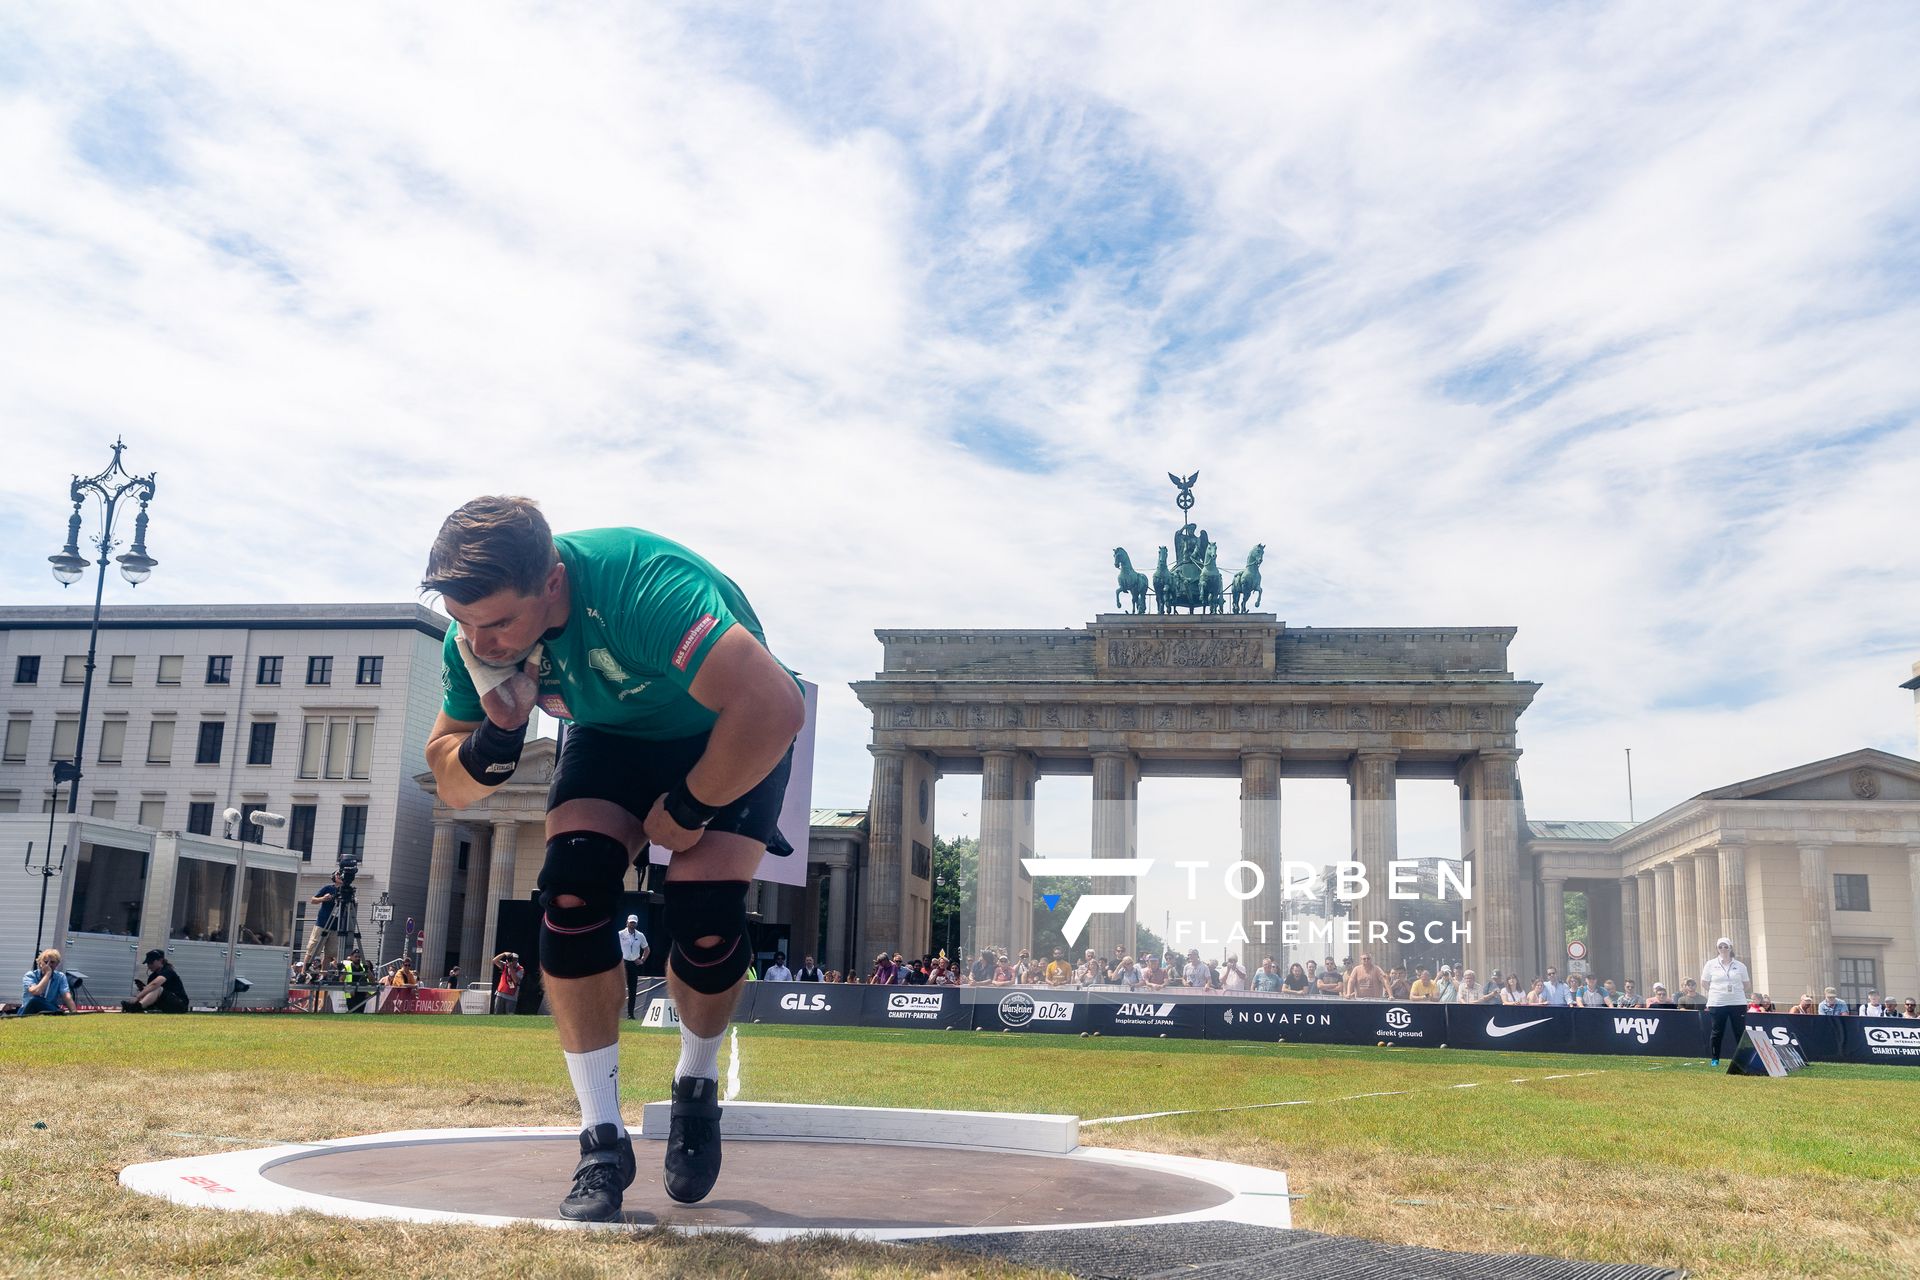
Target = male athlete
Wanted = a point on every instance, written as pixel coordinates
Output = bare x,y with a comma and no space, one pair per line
682,732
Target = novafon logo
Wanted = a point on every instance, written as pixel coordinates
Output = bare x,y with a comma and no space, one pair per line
914,1002
816,1003
1131,1009
1641,1028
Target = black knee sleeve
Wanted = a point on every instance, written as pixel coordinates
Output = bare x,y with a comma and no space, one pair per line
708,909
579,942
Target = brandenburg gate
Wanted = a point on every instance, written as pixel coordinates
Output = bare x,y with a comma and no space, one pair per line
1209,693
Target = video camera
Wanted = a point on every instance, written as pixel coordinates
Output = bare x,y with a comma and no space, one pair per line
349,868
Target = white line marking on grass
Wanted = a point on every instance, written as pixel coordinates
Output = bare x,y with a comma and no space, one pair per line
1307,1102
733,1068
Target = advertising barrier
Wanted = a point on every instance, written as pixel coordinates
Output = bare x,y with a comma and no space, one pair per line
1112,1012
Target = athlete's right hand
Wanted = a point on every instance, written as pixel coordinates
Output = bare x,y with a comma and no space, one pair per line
510,704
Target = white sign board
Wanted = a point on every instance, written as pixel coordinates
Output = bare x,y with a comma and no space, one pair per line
382,912
1581,967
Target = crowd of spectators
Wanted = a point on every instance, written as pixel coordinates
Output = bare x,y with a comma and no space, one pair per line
1450,983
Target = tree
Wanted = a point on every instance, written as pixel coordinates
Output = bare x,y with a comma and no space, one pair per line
1146,942
956,869
1046,924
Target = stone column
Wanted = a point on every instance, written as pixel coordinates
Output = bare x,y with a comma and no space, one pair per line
1260,845
1686,930
1732,857
1706,892
833,952
502,855
1376,842
1667,951
1498,879
440,872
994,895
1553,921
1816,898
806,929
1112,821
473,923
1647,894
881,903
1629,930
1913,886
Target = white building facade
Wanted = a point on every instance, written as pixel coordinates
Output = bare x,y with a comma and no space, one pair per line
316,711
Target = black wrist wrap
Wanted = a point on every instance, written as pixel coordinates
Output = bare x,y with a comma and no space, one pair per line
687,811
490,754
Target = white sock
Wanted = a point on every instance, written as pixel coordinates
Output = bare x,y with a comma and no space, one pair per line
699,1055
596,1082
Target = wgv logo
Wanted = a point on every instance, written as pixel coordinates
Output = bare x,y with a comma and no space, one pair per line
794,1000
1089,904
1643,1028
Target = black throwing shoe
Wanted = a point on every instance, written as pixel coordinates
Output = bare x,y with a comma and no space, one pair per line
693,1139
606,1169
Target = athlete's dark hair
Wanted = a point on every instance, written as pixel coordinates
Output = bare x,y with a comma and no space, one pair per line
490,544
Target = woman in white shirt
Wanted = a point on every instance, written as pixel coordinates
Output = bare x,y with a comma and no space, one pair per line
1725,980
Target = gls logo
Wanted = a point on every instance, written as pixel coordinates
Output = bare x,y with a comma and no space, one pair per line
1642,1028
794,1000
1090,904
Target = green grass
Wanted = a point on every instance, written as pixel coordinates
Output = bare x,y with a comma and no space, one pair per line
1625,1159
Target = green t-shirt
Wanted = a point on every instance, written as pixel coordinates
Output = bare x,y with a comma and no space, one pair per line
644,614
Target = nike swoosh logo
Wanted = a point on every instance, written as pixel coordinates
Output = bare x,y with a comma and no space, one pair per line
1497,1031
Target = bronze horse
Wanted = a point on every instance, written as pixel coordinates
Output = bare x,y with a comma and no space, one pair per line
1132,581
1246,583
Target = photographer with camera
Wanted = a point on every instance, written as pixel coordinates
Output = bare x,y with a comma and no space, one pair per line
325,899
506,993
45,988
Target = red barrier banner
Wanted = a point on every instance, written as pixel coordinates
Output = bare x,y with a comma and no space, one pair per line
420,1000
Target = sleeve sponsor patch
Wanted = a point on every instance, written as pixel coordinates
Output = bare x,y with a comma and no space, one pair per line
683,652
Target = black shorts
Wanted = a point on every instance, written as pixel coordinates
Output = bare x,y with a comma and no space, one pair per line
634,772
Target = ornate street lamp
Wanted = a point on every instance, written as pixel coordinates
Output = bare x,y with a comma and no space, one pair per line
69,566
136,566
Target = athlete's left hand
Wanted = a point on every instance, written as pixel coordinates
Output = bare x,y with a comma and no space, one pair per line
667,833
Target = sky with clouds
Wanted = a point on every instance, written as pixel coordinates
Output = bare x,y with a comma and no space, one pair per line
1598,321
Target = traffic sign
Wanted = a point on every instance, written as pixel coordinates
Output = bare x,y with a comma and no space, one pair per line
382,912
1576,950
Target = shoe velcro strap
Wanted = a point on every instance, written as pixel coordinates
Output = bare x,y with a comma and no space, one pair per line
707,1108
605,1155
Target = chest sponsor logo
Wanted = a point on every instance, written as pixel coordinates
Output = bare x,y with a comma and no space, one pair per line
1642,1029
683,652
804,1003
554,705
603,662
1495,1030
914,1004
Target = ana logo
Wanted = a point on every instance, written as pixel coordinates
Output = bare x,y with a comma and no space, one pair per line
1643,1028
602,661
1016,1009
1089,904
794,1000
1399,1019
914,1002
1894,1037
1495,1030
1130,1009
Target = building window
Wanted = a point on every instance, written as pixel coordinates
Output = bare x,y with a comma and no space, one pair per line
200,818
220,669
9,802
319,670
260,742
102,807
160,742
113,741
336,747
300,830
153,813
1850,894
250,832
269,671
922,860
17,730
362,762
466,851
353,829
170,669
108,887
120,670
369,672
66,736
1858,975
26,670
212,734
74,669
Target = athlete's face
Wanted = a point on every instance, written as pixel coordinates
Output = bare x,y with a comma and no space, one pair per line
504,627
